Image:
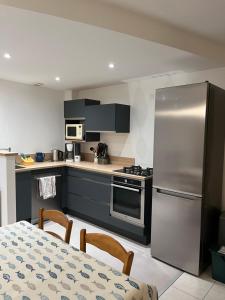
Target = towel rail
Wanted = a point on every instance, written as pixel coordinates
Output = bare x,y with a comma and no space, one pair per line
38,178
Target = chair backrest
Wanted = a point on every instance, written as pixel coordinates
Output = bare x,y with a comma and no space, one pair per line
108,244
57,217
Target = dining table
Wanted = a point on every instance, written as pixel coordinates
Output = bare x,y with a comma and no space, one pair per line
36,265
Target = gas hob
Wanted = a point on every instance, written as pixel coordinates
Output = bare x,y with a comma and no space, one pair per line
136,170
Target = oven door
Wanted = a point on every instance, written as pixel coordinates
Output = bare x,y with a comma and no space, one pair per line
127,203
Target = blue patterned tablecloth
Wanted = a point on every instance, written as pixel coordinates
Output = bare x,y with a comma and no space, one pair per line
35,265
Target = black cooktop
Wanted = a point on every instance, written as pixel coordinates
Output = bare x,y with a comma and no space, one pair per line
136,170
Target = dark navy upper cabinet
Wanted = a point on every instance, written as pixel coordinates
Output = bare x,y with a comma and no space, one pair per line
108,117
76,108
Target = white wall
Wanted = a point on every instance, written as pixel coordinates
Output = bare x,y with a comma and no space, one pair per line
138,143
31,118
140,94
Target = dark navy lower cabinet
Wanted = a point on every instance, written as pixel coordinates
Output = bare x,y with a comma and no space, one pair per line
83,194
88,198
23,196
28,201
88,194
38,202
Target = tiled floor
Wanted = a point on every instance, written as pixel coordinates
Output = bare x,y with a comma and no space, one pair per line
171,283
188,287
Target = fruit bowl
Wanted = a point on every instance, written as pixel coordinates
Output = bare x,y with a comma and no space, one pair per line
26,163
27,160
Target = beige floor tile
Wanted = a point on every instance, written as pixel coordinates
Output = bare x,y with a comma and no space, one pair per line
207,275
192,285
175,294
217,292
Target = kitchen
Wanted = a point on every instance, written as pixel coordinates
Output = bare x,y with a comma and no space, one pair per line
81,191
42,128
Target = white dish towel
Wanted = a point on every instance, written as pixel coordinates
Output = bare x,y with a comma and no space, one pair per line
47,187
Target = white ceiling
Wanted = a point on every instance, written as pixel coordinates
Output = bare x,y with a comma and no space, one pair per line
43,47
204,17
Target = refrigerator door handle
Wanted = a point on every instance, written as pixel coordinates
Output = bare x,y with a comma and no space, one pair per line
178,194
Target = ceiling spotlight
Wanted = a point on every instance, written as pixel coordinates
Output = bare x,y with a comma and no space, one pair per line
57,78
111,65
38,84
7,55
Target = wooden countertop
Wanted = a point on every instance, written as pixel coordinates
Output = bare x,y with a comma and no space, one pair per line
7,153
83,165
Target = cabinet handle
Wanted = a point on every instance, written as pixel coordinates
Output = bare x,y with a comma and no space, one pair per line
125,187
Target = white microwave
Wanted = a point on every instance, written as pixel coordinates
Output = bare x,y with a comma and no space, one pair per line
74,131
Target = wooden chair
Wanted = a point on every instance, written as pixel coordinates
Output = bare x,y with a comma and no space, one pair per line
108,244
57,217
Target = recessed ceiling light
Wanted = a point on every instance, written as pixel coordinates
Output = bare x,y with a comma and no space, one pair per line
7,55
111,65
38,84
57,78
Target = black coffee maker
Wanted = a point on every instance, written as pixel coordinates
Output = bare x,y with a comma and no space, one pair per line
102,154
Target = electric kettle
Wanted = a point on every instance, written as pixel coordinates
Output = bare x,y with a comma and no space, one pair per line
57,155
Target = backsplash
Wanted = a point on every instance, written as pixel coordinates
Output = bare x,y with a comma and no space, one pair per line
48,157
117,160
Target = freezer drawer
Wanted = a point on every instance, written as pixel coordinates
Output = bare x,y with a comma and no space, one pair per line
176,224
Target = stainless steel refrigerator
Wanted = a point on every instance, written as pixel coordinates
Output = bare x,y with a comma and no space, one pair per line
188,173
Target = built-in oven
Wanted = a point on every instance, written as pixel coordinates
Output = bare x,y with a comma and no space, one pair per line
128,200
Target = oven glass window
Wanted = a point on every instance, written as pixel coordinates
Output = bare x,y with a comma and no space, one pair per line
127,202
71,131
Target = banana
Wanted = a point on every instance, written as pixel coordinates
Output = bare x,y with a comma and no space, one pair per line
27,159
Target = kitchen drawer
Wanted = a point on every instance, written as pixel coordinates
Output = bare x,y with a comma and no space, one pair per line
98,177
87,206
99,192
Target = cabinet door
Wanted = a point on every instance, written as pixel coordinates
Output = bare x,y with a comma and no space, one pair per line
51,203
74,109
108,117
100,118
23,196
